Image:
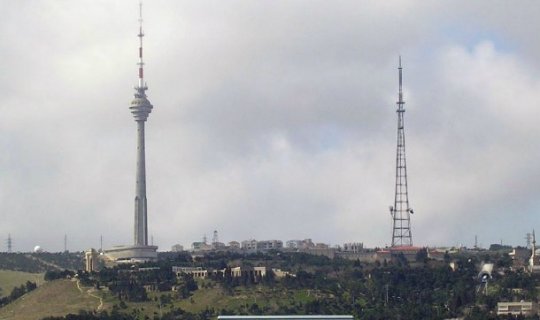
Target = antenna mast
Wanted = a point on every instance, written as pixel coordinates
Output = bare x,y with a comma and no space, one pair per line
401,212
9,243
142,85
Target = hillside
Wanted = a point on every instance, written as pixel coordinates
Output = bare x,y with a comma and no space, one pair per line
55,298
213,301
61,297
318,285
10,279
41,262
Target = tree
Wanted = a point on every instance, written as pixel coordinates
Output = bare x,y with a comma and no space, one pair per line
422,255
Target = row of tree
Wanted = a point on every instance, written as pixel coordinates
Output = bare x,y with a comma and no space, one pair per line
18,292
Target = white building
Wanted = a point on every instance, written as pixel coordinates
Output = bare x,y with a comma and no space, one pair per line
300,244
249,244
516,308
177,248
196,272
234,245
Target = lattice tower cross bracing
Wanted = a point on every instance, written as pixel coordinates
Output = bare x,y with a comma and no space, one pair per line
401,212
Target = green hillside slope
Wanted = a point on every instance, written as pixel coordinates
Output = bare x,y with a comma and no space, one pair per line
10,279
54,298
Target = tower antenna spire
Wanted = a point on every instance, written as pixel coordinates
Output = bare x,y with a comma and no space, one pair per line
400,68
401,212
142,86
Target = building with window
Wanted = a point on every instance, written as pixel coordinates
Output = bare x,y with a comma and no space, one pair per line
525,308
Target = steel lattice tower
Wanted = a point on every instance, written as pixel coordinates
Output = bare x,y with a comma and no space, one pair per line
9,242
401,212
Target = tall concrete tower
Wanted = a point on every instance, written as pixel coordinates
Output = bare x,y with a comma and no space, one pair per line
140,108
401,212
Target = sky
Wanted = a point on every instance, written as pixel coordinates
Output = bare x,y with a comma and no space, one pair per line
271,120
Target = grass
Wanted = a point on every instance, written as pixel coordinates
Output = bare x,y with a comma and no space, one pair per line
61,297
11,279
55,298
216,298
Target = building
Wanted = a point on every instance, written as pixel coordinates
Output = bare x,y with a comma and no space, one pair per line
218,245
249,244
437,254
269,245
516,308
321,245
520,257
237,272
140,107
234,245
320,251
282,274
300,244
196,272
201,246
408,252
353,247
365,256
91,259
177,248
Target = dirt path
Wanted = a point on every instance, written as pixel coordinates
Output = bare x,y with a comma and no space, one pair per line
100,306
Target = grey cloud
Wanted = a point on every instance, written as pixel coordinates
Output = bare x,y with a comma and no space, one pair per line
271,120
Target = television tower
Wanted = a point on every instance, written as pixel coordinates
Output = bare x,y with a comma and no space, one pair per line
140,108
401,212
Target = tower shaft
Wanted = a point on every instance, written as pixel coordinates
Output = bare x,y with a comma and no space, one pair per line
401,212
141,228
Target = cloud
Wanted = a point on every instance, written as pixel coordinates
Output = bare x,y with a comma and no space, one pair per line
270,121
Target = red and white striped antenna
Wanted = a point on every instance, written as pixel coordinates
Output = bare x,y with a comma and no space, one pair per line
142,85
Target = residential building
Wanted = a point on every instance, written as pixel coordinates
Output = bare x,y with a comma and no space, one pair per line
353,247
249,244
269,245
525,308
177,248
